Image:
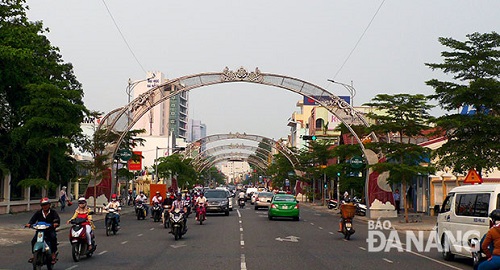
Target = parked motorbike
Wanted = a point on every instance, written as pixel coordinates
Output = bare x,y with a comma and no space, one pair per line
241,203
360,208
42,254
111,222
332,203
78,240
156,212
165,216
177,224
201,213
140,210
348,212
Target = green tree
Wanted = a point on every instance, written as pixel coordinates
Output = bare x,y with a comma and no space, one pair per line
29,66
473,139
280,169
405,117
175,166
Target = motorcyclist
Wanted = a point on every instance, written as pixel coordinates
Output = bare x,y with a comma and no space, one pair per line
142,198
83,211
241,196
50,216
179,204
346,201
200,201
114,204
157,198
492,237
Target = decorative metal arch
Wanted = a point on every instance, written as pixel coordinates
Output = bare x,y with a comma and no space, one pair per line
122,120
289,154
233,155
207,153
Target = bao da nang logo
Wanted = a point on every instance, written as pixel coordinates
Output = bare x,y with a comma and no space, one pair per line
382,237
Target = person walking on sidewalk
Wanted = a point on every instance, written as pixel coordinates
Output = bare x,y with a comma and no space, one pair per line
62,198
397,200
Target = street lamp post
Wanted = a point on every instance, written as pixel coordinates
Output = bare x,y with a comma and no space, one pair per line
350,88
130,87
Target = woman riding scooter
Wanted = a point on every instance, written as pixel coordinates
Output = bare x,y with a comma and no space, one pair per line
84,212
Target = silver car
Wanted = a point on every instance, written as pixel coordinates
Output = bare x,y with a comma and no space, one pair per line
262,198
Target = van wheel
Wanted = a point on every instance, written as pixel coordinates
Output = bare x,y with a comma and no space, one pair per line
447,255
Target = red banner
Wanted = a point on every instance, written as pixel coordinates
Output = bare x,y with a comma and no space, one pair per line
135,165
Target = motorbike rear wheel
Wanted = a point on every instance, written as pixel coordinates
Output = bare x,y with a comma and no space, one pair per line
75,252
109,227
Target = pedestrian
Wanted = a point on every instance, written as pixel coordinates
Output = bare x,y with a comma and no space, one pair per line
397,199
62,198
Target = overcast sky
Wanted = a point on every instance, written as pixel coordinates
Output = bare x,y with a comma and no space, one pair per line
308,40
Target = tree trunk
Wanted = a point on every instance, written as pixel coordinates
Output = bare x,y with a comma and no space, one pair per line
47,177
405,204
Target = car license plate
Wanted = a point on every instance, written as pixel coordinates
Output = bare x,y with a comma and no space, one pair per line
284,207
348,225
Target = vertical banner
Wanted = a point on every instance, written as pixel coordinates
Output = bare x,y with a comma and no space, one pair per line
135,165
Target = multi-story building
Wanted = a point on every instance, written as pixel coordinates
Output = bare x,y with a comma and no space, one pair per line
165,125
196,130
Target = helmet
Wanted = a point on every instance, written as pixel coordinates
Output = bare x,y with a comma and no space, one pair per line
179,195
113,197
495,215
157,192
44,201
82,200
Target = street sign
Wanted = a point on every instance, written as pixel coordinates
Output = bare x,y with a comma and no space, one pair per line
357,162
125,154
473,177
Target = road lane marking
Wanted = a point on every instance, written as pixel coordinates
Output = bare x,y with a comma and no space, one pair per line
241,229
362,248
242,243
239,214
243,263
434,260
330,232
102,252
389,261
321,228
239,221
140,234
312,223
124,242
72,267
152,229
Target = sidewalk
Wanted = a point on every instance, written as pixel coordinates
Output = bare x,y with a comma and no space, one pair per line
398,223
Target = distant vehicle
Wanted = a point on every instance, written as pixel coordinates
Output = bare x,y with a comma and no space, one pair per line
239,187
253,197
283,205
249,192
230,195
218,201
263,200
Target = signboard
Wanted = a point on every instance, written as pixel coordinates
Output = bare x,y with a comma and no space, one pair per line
135,165
357,162
473,177
125,154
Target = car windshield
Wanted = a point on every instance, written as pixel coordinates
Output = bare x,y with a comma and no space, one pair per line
265,194
284,199
216,194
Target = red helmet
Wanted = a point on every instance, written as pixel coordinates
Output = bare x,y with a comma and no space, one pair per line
113,197
44,201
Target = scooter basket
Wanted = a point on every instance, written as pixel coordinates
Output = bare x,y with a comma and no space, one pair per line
348,210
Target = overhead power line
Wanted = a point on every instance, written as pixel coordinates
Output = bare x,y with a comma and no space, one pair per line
123,37
359,40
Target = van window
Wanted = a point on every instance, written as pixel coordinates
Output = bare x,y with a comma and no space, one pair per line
475,205
447,203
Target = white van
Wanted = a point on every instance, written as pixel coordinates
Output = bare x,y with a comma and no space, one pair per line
463,219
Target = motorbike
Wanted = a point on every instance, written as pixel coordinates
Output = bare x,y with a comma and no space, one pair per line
177,224
140,210
165,216
241,202
332,203
201,213
42,255
111,222
348,212
360,208
156,212
78,240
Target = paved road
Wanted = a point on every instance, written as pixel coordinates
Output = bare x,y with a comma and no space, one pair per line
245,239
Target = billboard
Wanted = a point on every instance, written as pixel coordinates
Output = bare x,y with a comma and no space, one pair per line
135,165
